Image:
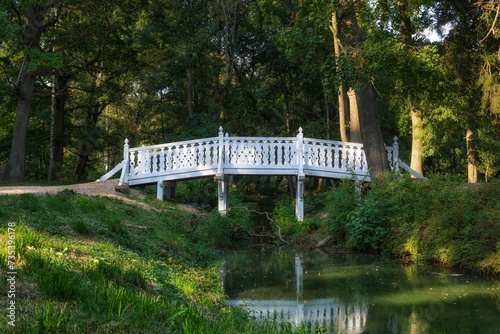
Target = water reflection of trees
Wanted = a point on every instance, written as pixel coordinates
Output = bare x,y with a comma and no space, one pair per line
384,296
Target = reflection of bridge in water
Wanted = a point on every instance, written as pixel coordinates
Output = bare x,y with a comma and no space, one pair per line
322,312
325,312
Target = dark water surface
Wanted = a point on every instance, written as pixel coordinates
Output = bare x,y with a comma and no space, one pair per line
357,293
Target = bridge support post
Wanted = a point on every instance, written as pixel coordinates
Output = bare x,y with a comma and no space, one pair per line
301,178
166,189
223,194
299,201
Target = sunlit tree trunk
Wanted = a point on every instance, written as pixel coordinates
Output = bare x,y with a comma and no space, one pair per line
342,92
416,142
363,106
371,132
416,116
471,157
354,127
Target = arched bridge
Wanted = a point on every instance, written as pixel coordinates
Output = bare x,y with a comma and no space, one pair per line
223,156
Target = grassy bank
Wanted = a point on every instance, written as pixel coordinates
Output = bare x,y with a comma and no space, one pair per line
439,219
99,265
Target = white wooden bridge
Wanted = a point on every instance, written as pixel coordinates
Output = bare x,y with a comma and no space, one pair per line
223,156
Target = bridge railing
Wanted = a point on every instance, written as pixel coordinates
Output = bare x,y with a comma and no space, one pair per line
173,158
247,155
334,155
240,152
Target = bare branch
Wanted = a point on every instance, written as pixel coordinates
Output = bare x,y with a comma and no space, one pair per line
267,216
492,29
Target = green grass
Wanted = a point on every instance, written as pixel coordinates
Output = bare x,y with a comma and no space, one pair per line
99,265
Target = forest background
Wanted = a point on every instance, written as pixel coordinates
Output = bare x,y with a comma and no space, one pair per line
77,78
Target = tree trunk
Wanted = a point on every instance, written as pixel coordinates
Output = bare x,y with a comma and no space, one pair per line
371,133
471,157
342,92
405,24
52,121
59,141
15,168
416,116
354,126
83,158
416,142
190,92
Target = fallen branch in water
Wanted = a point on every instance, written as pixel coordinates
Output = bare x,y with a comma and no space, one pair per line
268,218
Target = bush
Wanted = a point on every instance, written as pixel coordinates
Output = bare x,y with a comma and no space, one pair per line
222,230
366,226
437,219
284,215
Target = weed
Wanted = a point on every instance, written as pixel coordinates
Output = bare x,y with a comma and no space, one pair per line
51,320
25,237
59,284
81,226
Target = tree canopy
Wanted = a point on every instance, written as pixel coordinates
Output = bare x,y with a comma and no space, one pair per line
78,77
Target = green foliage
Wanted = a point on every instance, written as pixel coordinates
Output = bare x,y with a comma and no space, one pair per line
438,219
366,225
284,214
356,220
224,230
40,61
340,203
201,191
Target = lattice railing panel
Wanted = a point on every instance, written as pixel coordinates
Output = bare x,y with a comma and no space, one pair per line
258,152
334,155
160,159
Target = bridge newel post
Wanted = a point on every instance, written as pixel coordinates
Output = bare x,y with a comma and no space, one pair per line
222,180
165,189
126,164
301,178
395,154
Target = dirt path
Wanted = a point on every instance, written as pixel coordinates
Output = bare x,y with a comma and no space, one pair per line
104,188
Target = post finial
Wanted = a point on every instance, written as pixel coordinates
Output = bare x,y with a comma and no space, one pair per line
126,141
395,139
300,130
220,128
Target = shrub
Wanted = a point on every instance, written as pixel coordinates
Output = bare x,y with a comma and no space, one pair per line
366,226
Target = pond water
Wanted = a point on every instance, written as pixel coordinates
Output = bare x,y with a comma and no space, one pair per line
358,293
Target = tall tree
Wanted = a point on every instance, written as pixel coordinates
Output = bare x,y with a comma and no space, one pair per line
33,18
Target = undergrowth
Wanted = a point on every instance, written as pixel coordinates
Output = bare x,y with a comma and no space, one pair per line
438,219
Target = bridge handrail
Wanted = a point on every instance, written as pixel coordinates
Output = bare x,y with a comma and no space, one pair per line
179,143
257,139
326,141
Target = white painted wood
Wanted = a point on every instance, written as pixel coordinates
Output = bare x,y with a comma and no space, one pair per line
112,172
223,156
